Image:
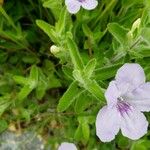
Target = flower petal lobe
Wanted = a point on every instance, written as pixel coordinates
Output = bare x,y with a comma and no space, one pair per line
107,124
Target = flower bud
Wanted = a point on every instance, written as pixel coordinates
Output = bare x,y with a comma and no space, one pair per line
54,49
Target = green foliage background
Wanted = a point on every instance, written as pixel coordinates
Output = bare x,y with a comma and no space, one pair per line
58,93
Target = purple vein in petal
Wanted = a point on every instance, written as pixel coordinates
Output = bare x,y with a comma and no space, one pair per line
81,0
122,106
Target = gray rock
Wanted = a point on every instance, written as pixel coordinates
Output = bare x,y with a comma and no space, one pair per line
25,141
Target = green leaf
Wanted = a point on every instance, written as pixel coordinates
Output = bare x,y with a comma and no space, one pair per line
82,102
74,54
33,78
90,85
62,21
138,145
48,29
25,91
93,87
87,31
67,71
48,67
89,68
69,96
4,103
128,3
42,85
145,19
34,73
85,127
25,114
55,7
145,35
30,59
10,21
29,84
78,133
3,57
140,52
85,131
3,125
20,80
105,73
123,142
78,75
53,81
41,88
119,33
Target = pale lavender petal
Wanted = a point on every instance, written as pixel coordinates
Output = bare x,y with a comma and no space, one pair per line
112,93
140,97
107,124
73,6
124,87
134,124
67,146
89,4
130,75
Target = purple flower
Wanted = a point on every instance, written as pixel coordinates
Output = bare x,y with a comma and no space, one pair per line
67,146
73,6
127,97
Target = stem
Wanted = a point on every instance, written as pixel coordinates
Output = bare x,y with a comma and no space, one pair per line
118,56
66,114
135,43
